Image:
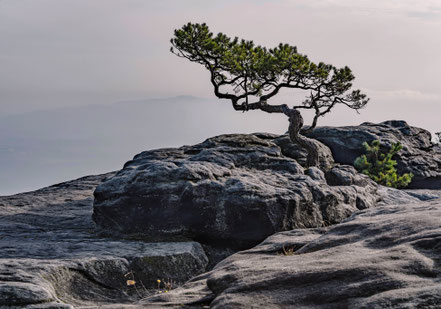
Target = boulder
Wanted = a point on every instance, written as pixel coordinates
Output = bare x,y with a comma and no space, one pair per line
229,191
419,155
383,257
292,150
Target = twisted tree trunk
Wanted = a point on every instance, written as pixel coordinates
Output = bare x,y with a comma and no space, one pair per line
295,124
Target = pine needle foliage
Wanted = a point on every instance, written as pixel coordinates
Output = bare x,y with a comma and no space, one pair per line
249,75
380,166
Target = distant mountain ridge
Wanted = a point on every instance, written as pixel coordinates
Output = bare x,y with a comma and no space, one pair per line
44,147
166,99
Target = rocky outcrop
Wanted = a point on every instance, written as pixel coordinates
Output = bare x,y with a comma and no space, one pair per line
231,190
50,256
384,257
419,155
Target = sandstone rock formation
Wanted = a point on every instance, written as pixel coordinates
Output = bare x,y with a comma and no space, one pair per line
200,203
229,191
50,256
418,156
383,257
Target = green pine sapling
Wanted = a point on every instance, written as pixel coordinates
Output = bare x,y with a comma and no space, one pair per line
380,166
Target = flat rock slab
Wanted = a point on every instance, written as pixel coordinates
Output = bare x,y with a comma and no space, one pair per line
50,256
383,257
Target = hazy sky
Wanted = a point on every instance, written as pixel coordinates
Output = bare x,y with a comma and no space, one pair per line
64,57
78,52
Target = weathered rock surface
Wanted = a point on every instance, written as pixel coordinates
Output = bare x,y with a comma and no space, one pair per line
50,256
231,190
418,156
383,257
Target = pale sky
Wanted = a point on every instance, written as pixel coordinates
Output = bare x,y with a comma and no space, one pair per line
78,52
64,63
71,60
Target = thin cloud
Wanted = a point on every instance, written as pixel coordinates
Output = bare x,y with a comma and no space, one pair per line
403,94
424,9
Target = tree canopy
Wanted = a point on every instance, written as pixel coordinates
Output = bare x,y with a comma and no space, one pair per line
249,74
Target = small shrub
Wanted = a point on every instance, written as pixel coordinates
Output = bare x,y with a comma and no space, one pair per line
141,289
167,285
380,167
289,250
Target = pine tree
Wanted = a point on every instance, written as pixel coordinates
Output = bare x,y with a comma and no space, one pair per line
250,75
